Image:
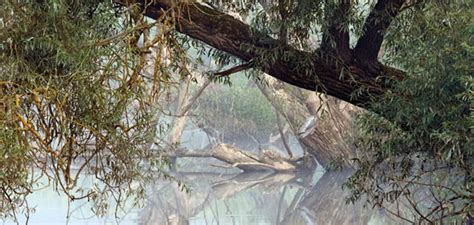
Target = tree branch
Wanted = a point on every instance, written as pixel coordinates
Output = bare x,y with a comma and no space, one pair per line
338,31
234,69
189,103
241,159
284,20
284,139
307,70
375,27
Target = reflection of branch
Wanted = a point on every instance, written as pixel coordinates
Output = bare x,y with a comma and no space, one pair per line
279,205
247,164
291,210
246,181
221,186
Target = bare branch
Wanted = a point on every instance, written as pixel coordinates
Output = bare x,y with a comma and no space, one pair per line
190,102
234,69
283,136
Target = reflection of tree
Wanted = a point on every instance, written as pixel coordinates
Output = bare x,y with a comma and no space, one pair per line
322,203
325,203
170,205
326,140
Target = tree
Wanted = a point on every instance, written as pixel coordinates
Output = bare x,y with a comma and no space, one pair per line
77,84
333,67
74,99
432,154
353,72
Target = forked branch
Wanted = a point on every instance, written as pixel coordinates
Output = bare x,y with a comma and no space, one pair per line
375,27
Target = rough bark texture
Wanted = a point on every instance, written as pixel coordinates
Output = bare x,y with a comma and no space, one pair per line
316,70
329,139
368,46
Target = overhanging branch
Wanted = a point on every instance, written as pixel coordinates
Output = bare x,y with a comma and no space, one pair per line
303,69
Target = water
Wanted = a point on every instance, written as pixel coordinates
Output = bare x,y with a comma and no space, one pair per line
52,207
222,199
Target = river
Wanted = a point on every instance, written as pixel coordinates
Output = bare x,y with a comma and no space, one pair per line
259,198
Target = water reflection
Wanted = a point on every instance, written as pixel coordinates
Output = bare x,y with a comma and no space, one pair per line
258,198
50,207
219,198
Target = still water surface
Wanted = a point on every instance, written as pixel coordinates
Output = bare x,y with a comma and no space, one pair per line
222,199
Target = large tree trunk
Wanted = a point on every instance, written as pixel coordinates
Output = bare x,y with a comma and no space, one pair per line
318,70
331,138
328,140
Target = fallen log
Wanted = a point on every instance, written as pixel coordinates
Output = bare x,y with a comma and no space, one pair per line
234,157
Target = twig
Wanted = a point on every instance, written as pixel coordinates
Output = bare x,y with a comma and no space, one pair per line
284,139
235,69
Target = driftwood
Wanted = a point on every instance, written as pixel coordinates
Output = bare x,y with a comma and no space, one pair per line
246,161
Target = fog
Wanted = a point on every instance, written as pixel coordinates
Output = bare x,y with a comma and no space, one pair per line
216,191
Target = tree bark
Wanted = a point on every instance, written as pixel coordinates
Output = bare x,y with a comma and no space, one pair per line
376,24
317,71
329,140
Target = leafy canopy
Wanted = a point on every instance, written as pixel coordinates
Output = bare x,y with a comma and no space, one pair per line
77,97
423,142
